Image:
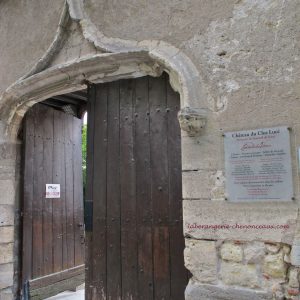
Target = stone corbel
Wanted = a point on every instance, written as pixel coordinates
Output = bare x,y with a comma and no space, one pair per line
192,120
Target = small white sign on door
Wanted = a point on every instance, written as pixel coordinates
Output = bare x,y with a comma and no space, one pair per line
52,190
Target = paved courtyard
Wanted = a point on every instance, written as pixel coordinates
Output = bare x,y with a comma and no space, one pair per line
79,295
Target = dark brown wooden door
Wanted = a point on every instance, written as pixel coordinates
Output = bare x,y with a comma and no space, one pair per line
135,242
53,233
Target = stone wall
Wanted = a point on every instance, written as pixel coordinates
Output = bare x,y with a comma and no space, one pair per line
237,60
258,270
9,181
19,30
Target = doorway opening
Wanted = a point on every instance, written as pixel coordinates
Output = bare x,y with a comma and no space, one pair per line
133,200
52,201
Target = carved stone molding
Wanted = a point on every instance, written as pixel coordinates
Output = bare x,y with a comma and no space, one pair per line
121,59
192,120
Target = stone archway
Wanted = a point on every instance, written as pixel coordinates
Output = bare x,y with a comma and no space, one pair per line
120,59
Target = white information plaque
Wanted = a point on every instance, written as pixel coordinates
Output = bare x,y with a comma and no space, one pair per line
258,165
52,190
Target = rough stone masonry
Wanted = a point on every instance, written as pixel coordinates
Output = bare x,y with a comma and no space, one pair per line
236,62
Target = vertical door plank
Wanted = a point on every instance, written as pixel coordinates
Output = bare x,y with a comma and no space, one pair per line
78,193
160,192
64,198
143,190
161,253
28,195
47,209
159,150
39,192
113,194
88,197
58,204
99,193
128,198
178,280
69,189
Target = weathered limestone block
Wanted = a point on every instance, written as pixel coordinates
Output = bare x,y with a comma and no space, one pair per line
6,275
293,276
218,189
201,260
287,254
275,266
8,151
232,252
293,292
7,192
278,291
218,193
254,252
6,234
6,253
6,294
238,274
201,153
273,248
286,249
209,212
197,291
196,184
75,46
8,169
6,215
287,258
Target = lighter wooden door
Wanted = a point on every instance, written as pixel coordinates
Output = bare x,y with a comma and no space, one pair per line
53,232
